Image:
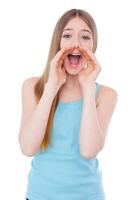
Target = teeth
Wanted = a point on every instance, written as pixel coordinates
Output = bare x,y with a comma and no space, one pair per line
75,54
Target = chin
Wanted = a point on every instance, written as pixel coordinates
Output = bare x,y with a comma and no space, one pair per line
72,71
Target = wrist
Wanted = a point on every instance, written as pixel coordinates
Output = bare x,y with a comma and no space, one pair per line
49,90
89,88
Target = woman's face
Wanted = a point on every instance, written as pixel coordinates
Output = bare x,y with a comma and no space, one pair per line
76,33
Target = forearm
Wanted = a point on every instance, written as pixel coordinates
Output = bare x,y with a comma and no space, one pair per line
90,137
34,131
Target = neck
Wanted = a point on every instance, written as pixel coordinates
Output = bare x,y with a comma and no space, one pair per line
71,82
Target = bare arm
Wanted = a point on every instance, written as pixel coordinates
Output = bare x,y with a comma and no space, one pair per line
34,117
95,120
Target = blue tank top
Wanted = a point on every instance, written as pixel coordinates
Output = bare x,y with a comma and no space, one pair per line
60,172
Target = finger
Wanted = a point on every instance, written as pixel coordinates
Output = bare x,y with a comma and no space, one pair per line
87,52
88,55
62,54
68,51
63,51
89,68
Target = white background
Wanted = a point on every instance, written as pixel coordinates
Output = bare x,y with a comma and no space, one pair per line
25,35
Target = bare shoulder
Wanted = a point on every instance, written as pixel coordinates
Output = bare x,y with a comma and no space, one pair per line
107,93
30,82
27,91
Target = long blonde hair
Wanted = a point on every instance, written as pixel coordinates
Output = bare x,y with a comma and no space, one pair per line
54,48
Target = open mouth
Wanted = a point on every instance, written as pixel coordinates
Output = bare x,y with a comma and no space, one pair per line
74,59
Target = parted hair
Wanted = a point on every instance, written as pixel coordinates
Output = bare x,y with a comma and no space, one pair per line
54,48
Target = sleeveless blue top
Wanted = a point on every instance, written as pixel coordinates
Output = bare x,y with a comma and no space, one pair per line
60,172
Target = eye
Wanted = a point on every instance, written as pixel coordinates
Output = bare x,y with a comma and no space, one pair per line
86,37
66,36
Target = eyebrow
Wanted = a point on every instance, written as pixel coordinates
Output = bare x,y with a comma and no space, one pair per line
70,29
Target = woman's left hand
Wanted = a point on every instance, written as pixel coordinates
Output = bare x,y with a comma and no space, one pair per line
89,74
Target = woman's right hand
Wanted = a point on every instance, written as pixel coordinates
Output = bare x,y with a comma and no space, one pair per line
57,74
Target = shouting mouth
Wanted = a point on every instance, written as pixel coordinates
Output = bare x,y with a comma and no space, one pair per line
74,59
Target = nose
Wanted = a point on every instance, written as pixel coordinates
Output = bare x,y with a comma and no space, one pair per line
76,42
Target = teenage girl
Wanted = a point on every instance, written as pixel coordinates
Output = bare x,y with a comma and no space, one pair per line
66,114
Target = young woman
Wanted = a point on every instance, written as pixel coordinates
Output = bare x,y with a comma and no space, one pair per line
66,114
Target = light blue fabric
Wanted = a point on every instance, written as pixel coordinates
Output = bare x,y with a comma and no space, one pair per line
60,172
